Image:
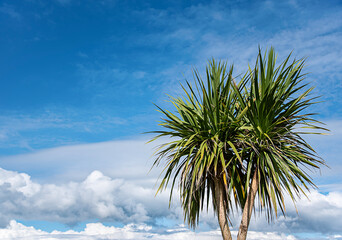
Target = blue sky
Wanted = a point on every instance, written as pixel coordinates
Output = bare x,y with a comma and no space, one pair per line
78,83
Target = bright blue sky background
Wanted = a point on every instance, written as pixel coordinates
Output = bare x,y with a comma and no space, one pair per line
78,79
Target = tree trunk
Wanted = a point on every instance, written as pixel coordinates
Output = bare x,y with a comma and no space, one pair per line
221,207
248,208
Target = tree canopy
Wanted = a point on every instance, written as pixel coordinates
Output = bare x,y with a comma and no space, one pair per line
236,141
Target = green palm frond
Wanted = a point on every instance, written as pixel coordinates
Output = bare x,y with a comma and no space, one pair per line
227,133
205,127
277,100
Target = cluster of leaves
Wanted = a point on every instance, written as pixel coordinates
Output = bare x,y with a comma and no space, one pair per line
226,132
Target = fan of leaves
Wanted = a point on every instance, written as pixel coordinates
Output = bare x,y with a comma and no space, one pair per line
273,148
205,130
227,133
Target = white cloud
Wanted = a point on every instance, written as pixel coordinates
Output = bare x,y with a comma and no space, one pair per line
132,159
129,159
97,231
116,200
320,213
55,127
98,197
68,189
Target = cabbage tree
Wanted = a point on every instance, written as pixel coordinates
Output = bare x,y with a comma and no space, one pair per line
238,143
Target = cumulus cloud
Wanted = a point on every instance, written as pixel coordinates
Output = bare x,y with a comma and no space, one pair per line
65,189
320,213
97,231
116,200
97,197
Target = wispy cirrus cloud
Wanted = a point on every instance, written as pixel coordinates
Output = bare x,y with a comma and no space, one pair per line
55,127
64,2
204,31
10,11
128,159
109,82
131,158
167,52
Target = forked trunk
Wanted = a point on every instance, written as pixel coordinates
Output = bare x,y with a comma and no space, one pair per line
248,208
221,207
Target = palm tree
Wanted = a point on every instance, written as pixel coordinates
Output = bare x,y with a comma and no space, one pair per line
275,154
234,141
205,131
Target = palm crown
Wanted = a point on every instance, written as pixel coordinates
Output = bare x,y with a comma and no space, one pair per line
235,141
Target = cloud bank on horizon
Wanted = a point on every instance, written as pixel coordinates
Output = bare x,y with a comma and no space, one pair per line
97,231
78,81
115,200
